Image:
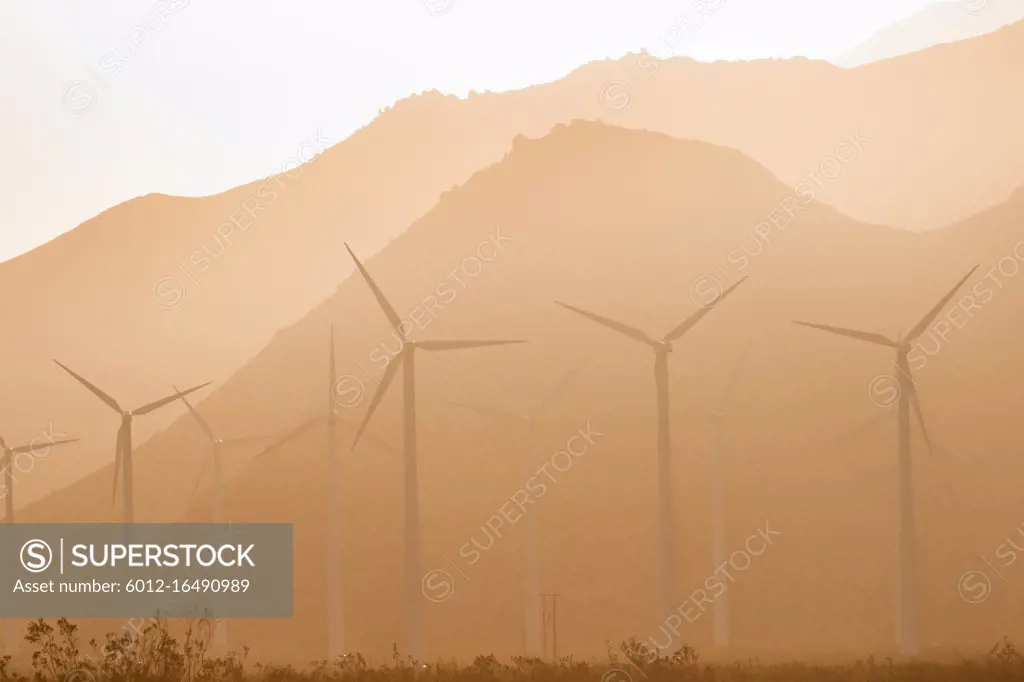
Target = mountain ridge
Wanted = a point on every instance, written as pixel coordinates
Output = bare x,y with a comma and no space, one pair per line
653,215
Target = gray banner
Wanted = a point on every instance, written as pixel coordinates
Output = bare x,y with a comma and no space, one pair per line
146,570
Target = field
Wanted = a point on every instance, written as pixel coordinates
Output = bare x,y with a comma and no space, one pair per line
154,654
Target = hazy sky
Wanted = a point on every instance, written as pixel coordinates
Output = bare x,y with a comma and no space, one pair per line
227,90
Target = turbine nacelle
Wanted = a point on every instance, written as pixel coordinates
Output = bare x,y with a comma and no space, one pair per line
412,523
660,346
123,445
908,400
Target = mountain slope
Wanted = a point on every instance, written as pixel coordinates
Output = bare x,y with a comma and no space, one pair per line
941,22
163,290
639,227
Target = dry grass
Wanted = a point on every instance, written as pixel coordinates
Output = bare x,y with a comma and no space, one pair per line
155,655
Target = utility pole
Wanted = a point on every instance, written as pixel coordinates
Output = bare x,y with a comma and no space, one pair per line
554,622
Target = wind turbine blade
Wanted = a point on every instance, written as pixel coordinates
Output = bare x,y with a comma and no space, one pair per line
117,461
291,434
631,332
383,302
385,381
202,422
199,478
692,320
934,312
459,345
556,388
730,386
384,445
915,401
95,390
489,411
870,337
32,448
169,399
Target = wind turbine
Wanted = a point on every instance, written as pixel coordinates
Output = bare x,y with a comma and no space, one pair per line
123,447
10,632
406,359
215,458
335,583
661,350
719,416
218,443
8,465
533,616
906,571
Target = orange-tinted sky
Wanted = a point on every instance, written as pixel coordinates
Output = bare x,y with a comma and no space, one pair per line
224,93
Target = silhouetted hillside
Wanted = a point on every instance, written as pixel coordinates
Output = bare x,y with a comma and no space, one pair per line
642,228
